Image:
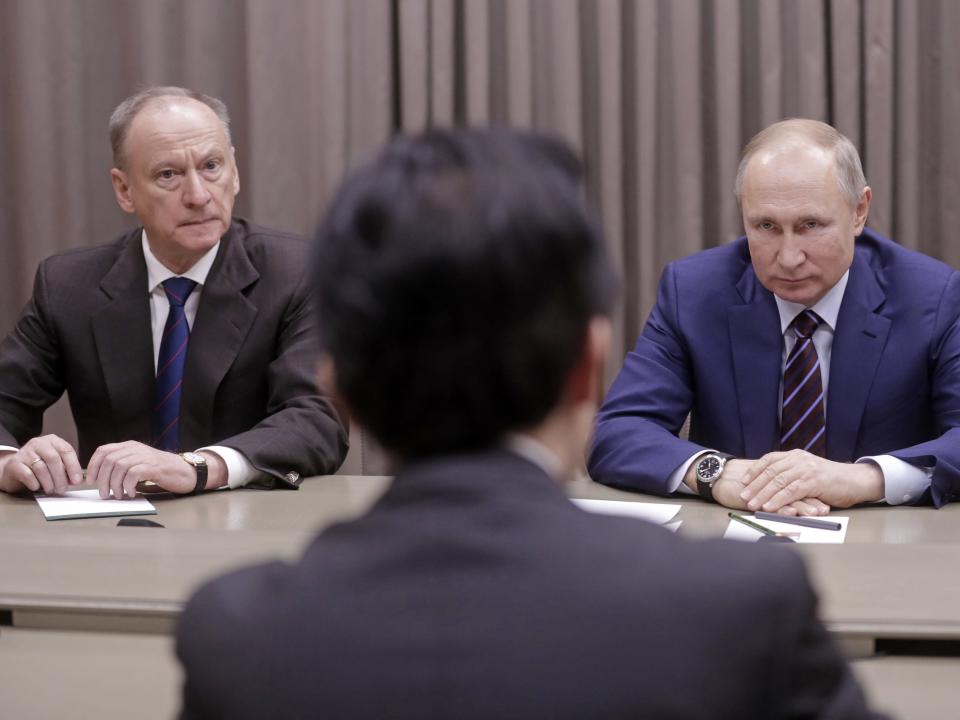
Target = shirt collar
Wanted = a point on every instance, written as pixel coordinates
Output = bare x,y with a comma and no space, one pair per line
535,452
157,272
828,307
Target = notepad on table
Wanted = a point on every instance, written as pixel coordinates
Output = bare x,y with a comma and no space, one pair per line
88,504
659,513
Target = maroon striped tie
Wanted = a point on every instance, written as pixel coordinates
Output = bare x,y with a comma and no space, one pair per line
803,423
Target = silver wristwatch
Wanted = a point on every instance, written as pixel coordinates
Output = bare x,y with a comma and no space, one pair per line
708,471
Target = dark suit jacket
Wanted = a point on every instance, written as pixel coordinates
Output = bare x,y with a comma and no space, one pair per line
249,375
475,589
712,347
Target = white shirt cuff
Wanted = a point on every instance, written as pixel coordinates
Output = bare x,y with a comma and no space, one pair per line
902,482
239,470
8,448
675,482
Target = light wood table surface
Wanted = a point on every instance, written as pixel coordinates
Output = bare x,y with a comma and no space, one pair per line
87,599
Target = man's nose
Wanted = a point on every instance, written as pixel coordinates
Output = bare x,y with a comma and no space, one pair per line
791,253
195,192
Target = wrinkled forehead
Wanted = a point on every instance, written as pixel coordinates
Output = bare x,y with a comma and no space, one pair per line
791,163
791,174
172,123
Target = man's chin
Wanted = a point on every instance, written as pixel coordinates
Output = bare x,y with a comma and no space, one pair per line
200,235
802,293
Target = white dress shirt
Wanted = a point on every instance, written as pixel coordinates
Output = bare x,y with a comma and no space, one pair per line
902,481
239,470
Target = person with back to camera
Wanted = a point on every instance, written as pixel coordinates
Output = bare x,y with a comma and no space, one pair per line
465,296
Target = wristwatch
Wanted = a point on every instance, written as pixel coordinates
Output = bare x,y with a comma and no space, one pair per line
200,465
708,471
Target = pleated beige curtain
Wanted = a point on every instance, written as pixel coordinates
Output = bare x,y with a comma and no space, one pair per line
308,84
659,95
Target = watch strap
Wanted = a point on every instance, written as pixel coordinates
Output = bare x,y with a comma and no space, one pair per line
200,467
201,479
705,489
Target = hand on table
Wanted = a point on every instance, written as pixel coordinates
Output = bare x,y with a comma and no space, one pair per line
778,480
45,464
728,488
117,468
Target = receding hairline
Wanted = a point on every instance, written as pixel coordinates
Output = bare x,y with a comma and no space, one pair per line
124,115
805,134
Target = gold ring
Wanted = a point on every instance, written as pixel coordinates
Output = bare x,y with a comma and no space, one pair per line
38,460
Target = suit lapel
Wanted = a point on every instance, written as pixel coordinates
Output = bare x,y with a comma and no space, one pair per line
756,345
122,334
223,320
858,342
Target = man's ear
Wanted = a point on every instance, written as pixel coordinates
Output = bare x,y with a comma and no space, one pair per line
862,210
585,384
121,188
236,171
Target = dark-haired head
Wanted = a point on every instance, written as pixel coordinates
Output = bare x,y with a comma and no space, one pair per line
456,277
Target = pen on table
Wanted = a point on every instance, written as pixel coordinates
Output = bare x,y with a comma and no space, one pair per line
751,524
757,526
804,521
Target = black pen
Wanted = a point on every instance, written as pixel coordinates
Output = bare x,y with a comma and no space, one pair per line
750,523
804,521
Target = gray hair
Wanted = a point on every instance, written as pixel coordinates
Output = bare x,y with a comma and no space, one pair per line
126,111
849,170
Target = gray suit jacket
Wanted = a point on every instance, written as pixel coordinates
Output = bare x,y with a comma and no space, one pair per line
249,375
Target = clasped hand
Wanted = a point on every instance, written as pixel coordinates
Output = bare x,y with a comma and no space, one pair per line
49,464
796,482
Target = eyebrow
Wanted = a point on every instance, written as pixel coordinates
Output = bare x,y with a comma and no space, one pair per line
759,218
212,153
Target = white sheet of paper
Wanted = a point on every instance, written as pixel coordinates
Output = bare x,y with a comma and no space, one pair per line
87,503
651,512
739,531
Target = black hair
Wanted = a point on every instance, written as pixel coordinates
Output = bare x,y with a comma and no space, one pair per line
455,278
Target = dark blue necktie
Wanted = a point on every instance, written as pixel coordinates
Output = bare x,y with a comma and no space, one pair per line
803,423
170,362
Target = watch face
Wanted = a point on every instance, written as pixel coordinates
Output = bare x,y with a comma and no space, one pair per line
194,458
708,468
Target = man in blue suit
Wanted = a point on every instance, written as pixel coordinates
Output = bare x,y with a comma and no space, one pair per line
818,361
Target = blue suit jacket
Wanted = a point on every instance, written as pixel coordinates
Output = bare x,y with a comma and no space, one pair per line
712,347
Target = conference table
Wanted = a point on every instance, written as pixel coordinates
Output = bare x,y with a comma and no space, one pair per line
87,607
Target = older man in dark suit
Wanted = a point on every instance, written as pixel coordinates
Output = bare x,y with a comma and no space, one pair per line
190,332
464,296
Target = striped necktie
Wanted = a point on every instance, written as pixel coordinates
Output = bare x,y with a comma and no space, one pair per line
803,422
170,362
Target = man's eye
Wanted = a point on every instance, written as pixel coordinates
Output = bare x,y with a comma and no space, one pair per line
811,224
765,226
166,174
212,164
